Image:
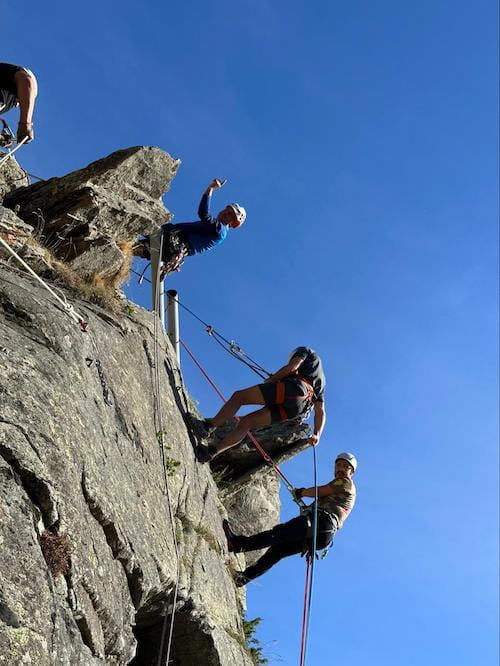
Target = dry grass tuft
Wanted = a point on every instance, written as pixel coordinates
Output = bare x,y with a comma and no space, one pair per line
101,289
56,550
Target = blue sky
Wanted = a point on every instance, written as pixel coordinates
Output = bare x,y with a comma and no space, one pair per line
362,139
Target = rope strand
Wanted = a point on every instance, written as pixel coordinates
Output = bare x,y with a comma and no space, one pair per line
311,557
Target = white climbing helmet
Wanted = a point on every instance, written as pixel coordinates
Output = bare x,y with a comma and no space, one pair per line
240,212
349,458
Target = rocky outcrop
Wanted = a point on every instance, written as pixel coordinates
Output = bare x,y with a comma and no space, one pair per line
88,214
12,176
102,504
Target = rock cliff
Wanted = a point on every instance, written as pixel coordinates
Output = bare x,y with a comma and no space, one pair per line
101,509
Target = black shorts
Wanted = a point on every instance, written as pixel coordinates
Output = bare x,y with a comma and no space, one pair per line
286,399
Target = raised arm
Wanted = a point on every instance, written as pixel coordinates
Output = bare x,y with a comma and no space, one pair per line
204,207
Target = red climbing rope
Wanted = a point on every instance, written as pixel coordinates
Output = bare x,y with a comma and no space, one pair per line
212,384
254,441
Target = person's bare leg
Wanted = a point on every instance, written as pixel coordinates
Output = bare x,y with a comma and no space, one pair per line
258,419
249,396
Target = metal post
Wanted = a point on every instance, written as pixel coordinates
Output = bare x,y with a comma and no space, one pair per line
155,248
162,301
173,322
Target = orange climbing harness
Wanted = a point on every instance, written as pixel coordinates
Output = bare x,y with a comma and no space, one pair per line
282,396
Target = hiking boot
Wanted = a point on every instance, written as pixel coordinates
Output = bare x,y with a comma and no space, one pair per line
240,579
203,454
141,249
230,535
202,428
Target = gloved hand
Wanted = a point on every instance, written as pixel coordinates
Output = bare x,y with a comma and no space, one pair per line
297,493
25,130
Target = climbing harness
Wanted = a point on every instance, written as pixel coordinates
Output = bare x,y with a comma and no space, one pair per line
7,137
177,251
68,308
282,396
159,428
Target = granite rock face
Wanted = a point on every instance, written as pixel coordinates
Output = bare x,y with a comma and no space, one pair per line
80,456
88,214
88,463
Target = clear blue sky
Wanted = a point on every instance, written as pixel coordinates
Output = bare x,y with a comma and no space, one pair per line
362,139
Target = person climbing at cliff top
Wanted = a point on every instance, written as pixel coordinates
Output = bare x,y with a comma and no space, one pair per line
335,501
289,393
188,238
18,87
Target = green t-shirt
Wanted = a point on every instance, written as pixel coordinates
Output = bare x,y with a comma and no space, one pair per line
340,501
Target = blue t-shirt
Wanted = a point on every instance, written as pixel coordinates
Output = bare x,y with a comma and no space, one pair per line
204,234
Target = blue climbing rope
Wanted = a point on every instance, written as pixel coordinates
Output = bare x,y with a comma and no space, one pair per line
311,558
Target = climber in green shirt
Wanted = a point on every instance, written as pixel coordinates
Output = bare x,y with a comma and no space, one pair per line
335,502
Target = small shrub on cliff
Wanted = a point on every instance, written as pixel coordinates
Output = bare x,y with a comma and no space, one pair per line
253,643
56,550
171,465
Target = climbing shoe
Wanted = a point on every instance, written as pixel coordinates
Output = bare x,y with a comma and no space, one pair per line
204,454
230,535
202,427
240,579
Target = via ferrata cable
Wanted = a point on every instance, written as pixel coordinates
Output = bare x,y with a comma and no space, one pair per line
229,346
68,308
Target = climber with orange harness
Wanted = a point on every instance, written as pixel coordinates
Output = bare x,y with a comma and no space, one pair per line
289,393
188,238
18,87
335,501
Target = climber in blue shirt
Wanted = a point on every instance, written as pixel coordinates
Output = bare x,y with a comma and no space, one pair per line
188,238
